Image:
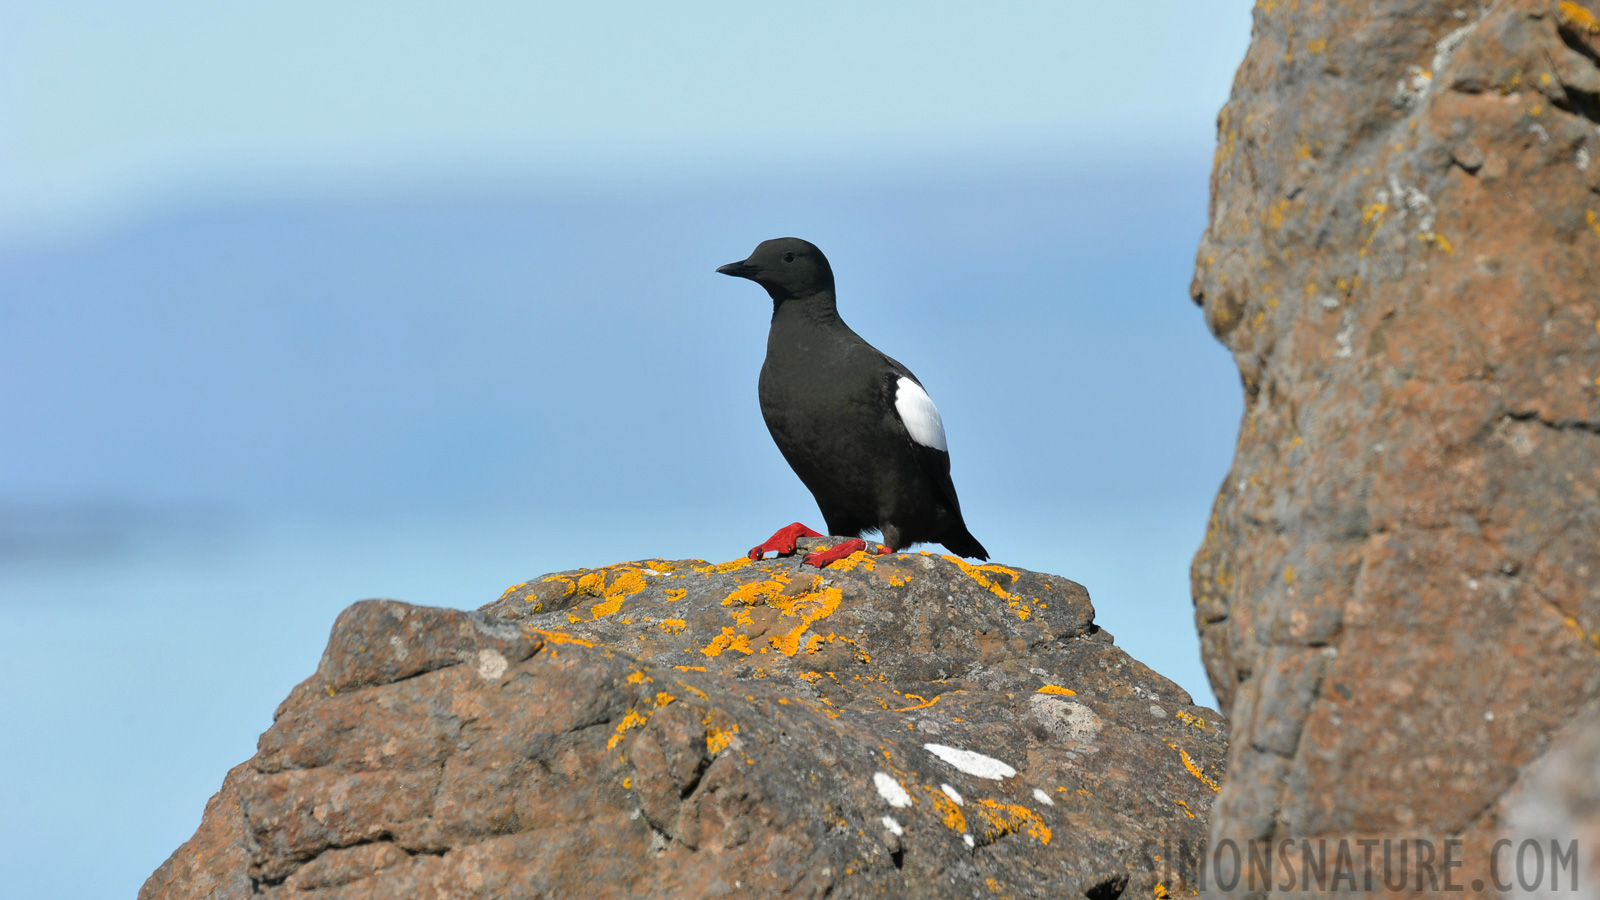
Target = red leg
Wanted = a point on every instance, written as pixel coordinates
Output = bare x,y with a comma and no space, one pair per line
782,541
823,558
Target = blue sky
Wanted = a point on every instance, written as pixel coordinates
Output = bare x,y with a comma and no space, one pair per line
301,305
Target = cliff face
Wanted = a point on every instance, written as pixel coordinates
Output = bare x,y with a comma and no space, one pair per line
1399,592
908,726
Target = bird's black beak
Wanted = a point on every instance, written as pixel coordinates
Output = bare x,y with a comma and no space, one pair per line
740,269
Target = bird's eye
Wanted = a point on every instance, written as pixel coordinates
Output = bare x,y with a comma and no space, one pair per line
789,257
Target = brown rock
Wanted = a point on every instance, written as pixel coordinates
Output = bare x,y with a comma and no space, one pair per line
1399,592
681,729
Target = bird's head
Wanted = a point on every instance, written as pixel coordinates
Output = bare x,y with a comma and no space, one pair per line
788,268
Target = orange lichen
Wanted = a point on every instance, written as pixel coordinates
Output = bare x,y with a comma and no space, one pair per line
1578,18
1057,689
923,705
672,626
675,594
757,592
808,608
690,668
624,584
1190,718
560,637
717,739
724,568
1000,819
1195,770
629,721
508,591
663,698
947,809
639,678
1595,224
728,640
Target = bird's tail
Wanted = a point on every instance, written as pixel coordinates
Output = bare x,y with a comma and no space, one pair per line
962,543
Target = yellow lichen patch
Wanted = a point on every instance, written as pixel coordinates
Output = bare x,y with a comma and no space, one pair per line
925,703
508,591
1578,18
1159,892
724,568
1595,224
717,739
860,559
1189,763
947,809
676,594
1057,689
756,592
1185,806
1317,46
898,579
560,637
1438,240
1191,719
624,584
672,626
629,721
1288,574
639,678
1000,819
694,690
663,698
690,668
660,565
808,608
728,640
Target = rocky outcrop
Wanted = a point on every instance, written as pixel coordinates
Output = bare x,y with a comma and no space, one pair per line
901,726
1399,592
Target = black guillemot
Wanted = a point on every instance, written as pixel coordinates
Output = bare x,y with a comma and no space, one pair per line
854,424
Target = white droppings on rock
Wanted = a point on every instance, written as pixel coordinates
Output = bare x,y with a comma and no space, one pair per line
1583,159
1042,797
892,826
491,665
971,763
891,791
968,838
951,793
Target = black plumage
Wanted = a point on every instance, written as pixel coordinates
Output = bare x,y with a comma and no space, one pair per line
854,424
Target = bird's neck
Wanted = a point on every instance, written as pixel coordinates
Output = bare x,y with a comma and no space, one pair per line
819,309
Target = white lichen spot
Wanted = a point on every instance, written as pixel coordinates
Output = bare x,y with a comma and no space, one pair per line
400,650
1342,341
1328,303
1157,711
975,764
969,841
491,665
892,826
891,791
1583,159
1042,797
951,793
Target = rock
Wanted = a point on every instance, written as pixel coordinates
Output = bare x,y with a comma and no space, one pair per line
1556,809
902,726
1399,591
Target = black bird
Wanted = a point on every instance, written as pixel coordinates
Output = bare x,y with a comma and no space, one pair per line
855,425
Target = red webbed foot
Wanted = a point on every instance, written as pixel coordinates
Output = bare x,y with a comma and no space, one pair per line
823,558
782,541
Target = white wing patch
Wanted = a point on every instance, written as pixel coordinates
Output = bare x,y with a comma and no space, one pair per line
919,415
